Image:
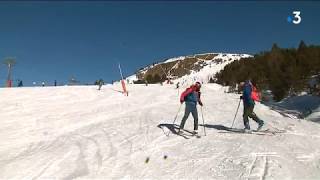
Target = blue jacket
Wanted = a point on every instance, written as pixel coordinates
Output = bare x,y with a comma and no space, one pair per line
192,97
247,100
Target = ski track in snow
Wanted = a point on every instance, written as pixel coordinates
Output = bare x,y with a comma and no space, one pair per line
80,133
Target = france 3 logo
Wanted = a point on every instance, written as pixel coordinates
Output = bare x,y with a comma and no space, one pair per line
295,18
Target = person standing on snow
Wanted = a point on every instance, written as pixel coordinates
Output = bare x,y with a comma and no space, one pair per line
178,85
250,95
20,84
100,83
191,96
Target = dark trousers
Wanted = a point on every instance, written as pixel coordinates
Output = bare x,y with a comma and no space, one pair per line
248,112
190,108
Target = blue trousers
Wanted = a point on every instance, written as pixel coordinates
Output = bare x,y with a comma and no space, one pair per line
190,108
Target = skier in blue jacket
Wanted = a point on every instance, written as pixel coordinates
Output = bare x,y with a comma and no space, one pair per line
249,96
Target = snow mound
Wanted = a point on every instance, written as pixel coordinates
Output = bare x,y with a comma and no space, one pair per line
132,78
302,106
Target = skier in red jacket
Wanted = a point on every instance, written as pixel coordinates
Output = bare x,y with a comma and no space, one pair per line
191,96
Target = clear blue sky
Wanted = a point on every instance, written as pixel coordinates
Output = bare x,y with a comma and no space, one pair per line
55,40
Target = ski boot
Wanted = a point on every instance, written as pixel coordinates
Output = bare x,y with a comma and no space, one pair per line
195,132
247,127
246,130
180,131
261,123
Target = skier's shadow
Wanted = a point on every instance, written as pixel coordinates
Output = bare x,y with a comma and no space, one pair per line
173,128
221,127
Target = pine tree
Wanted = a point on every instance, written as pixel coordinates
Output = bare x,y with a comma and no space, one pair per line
302,45
283,71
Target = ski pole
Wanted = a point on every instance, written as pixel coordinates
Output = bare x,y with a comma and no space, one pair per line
236,113
204,128
175,118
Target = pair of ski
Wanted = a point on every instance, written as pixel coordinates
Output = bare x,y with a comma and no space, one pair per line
255,132
187,134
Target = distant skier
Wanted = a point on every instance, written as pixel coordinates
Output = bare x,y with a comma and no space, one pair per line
191,96
100,83
20,84
43,84
178,85
55,82
250,95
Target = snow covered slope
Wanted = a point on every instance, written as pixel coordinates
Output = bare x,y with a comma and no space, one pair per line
210,68
81,133
205,66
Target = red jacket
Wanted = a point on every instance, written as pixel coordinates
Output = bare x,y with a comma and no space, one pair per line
191,89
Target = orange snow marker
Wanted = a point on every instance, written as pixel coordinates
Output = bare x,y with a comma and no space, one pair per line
125,92
9,83
124,87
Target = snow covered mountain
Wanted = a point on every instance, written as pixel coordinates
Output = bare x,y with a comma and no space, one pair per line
187,69
77,132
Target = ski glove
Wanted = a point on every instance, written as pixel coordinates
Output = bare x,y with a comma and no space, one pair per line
200,103
241,97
